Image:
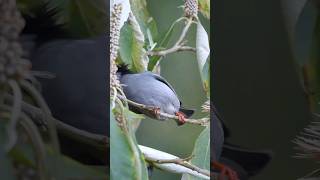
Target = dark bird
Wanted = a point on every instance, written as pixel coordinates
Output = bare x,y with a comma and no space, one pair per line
152,90
230,160
77,95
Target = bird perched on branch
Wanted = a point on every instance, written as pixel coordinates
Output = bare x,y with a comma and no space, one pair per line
152,90
233,161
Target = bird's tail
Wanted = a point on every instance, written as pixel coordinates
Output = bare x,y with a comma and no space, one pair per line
251,161
187,112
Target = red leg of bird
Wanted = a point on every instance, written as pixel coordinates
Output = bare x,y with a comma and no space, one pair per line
181,117
225,171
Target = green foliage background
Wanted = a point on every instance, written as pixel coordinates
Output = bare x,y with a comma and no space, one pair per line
181,70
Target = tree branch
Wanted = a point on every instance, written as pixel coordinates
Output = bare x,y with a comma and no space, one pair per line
184,163
97,140
162,115
171,163
179,45
171,50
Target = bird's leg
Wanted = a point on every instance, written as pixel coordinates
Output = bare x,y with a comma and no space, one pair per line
181,117
225,171
156,112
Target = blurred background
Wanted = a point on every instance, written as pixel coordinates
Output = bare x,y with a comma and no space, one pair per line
181,71
255,84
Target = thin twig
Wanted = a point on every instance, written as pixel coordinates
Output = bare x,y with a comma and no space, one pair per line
313,173
97,140
172,163
179,45
184,31
171,50
170,160
38,144
183,163
43,105
201,122
15,114
35,138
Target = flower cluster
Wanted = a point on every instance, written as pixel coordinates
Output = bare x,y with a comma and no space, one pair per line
12,66
114,45
191,8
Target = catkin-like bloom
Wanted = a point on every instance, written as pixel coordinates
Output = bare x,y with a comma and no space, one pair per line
114,46
308,143
206,106
190,8
12,66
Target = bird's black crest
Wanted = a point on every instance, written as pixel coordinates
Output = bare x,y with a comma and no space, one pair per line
42,22
124,69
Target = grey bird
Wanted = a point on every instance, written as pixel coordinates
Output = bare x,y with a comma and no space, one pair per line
152,90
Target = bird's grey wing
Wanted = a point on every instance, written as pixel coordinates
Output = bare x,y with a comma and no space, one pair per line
161,79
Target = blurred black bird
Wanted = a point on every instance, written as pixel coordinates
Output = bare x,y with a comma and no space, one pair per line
230,160
77,95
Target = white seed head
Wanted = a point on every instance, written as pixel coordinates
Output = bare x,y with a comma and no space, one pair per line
191,8
114,46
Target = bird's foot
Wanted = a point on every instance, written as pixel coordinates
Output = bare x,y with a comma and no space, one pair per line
156,112
181,118
225,171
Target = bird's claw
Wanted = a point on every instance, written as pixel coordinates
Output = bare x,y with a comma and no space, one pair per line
181,118
156,112
225,171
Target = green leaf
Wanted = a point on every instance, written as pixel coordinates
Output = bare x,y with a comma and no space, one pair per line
85,18
203,51
204,8
134,119
63,167
131,49
164,40
60,166
306,50
139,9
205,77
24,154
126,159
201,153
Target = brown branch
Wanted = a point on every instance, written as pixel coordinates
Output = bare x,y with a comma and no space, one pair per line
97,140
183,163
162,115
177,48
